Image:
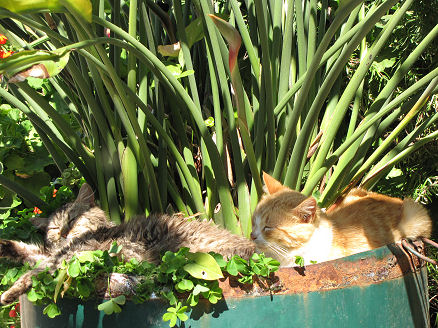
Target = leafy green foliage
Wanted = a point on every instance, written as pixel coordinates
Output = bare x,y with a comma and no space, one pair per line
182,278
112,305
9,273
22,155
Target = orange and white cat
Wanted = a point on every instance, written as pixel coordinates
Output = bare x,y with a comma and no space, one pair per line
286,224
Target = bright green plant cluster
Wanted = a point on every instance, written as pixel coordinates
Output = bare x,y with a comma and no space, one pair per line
182,278
9,273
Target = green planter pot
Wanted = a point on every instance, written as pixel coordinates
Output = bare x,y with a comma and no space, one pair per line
384,287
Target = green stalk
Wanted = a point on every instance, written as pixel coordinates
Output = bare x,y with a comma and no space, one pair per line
286,52
357,151
363,127
142,106
379,173
132,64
355,82
327,55
57,158
267,76
292,119
213,42
301,38
246,39
192,85
293,176
40,104
157,65
400,127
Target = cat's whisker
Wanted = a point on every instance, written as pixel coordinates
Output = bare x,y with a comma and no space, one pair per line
277,249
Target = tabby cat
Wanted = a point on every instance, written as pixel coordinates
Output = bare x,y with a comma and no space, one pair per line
287,224
81,226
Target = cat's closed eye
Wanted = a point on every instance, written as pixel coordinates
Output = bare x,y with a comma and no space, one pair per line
266,228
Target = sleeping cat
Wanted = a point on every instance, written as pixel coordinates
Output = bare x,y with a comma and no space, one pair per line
287,224
81,226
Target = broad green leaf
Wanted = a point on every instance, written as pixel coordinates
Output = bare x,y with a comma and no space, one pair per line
170,316
83,288
232,268
33,296
186,73
185,285
120,299
52,310
231,34
80,7
182,316
169,50
109,307
193,300
200,289
299,260
194,31
34,63
20,6
85,256
115,249
74,268
204,266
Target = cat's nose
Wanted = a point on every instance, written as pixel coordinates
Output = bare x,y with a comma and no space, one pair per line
253,236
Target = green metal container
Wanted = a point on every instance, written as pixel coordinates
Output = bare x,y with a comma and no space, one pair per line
384,287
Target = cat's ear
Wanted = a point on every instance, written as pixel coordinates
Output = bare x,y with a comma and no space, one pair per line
86,195
306,210
272,185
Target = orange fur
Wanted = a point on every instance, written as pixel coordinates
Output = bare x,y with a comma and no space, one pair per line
287,224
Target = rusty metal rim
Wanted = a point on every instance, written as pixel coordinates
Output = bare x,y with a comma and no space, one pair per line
357,270
385,263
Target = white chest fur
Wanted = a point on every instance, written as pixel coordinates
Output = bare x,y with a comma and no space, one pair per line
317,249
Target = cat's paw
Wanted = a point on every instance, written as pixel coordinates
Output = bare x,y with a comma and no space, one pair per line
8,298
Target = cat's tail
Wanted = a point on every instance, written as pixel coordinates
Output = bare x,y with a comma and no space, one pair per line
415,220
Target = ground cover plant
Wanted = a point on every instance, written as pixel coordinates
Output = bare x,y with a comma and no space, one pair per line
179,106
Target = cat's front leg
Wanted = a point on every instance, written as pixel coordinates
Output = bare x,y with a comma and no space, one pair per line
21,252
21,286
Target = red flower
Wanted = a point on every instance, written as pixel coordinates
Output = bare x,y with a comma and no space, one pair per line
36,210
17,307
4,54
54,193
12,326
12,313
3,39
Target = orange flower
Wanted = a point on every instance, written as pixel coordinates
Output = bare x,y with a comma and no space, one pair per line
54,193
3,39
4,54
36,210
